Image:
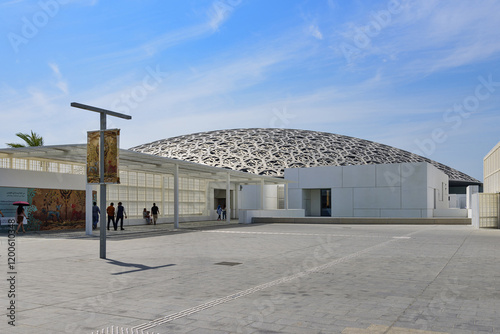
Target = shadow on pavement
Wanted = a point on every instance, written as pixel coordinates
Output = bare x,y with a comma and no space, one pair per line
140,267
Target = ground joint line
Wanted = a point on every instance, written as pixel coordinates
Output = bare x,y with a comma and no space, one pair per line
263,286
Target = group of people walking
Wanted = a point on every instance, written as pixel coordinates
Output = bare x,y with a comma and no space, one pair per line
221,211
155,211
119,213
114,215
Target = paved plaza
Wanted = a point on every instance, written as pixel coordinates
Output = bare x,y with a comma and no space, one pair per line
266,278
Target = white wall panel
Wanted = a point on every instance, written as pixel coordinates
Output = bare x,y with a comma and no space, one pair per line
320,177
413,174
292,174
249,197
401,213
342,202
358,176
376,198
416,197
367,213
295,198
388,175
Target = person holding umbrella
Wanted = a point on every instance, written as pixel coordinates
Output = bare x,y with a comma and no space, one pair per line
20,217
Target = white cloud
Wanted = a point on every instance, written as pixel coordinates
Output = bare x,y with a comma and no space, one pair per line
12,2
456,33
425,36
220,11
61,83
315,32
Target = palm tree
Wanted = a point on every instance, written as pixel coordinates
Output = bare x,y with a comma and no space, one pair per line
32,139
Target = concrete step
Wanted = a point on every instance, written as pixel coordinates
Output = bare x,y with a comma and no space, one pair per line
355,220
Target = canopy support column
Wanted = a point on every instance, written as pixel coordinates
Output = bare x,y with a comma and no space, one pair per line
88,209
286,196
228,198
261,194
176,196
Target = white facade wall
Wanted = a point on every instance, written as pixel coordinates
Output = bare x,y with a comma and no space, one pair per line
491,170
249,197
44,180
384,190
193,199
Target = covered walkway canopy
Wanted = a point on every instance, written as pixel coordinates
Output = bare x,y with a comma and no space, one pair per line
131,160
71,159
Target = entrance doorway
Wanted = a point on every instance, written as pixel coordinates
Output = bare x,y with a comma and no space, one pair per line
326,199
220,199
317,202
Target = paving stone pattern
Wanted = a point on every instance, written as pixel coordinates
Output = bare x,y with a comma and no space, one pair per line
289,279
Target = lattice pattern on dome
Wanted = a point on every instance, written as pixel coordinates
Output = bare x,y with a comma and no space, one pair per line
270,151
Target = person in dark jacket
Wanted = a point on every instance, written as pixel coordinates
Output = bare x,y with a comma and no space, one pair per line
154,212
95,215
120,212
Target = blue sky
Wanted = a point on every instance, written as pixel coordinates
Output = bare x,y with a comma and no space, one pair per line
422,76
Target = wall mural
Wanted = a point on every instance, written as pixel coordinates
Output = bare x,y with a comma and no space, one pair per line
55,209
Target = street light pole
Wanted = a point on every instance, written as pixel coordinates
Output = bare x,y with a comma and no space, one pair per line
102,185
102,191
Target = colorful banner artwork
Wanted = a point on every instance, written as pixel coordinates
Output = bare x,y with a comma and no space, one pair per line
93,157
111,156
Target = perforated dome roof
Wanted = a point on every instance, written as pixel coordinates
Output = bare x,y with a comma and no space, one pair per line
266,151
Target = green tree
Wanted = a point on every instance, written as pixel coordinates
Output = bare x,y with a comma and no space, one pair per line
32,139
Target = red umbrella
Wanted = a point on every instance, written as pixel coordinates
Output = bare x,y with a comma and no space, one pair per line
20,203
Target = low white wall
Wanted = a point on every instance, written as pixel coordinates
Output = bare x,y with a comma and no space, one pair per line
450,213
245,216
458,201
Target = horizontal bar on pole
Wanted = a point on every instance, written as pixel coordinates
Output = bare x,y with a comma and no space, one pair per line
99,110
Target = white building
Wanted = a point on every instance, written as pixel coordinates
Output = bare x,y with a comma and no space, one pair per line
254,172
402,190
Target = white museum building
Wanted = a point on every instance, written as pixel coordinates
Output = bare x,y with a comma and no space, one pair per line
253,172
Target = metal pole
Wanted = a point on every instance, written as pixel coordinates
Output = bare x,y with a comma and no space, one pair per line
102,187
228,198
176,196
103,217
262,194
286,196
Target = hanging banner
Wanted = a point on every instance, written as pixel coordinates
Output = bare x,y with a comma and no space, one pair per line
111,156
93,157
